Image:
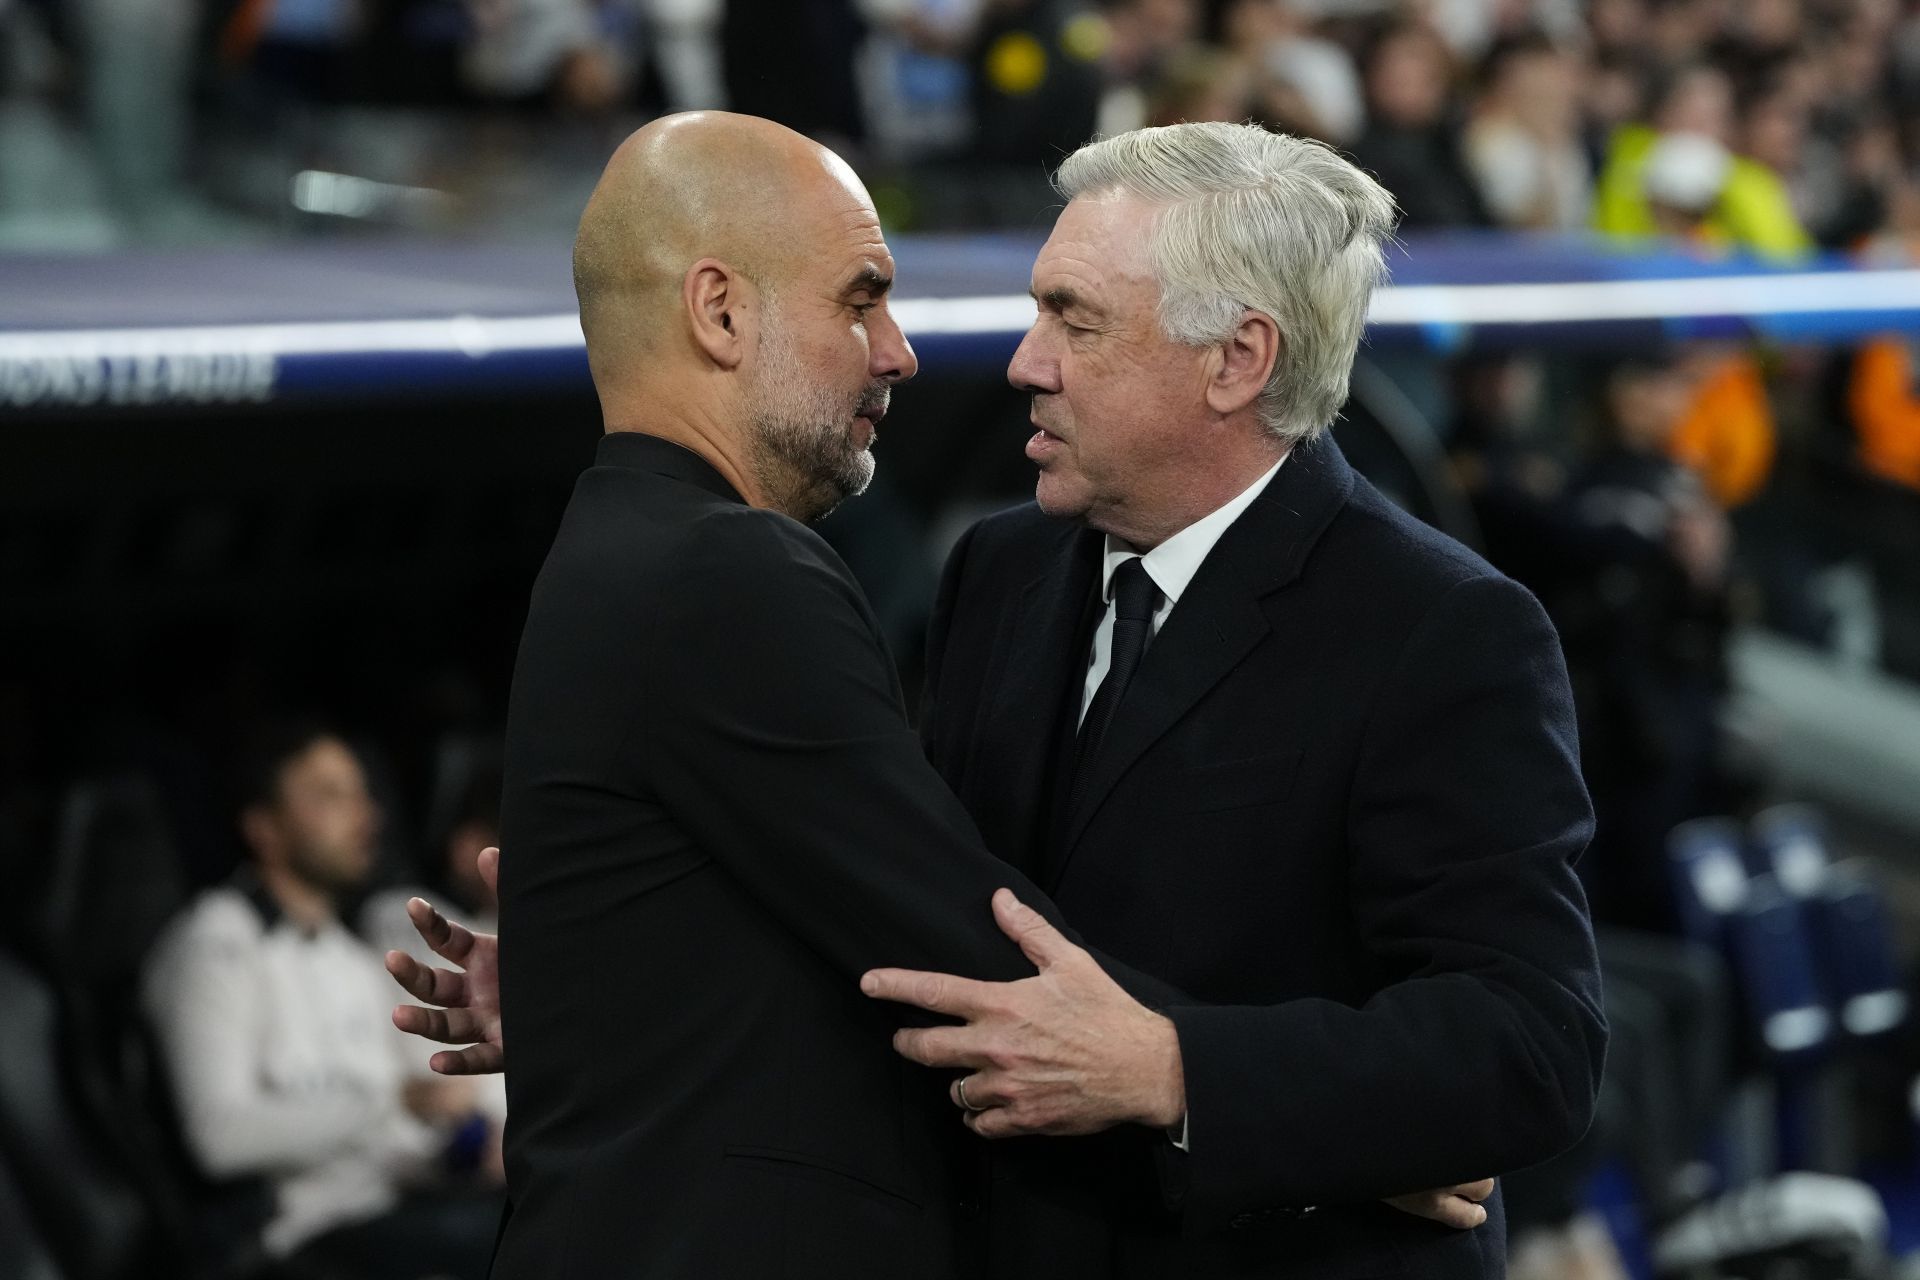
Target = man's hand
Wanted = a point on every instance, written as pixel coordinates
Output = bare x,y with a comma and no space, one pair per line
1064,1052
1449,1206
469,1002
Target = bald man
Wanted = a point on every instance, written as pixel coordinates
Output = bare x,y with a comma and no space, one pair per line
718,814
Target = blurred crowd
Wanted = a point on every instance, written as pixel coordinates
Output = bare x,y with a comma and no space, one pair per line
1653,501
1776,125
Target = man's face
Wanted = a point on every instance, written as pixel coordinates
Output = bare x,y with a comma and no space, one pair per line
828,357
1114,401
323,822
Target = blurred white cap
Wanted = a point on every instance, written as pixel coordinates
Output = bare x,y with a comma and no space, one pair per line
1686,171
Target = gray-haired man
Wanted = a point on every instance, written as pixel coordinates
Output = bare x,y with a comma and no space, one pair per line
1324,777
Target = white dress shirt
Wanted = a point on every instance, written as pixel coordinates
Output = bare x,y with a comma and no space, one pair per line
1171,565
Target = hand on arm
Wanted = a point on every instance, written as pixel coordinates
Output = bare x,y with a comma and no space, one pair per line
1068,1052
1064,1052
466,1004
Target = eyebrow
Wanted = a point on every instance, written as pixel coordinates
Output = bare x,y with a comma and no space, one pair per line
869,279
1061,298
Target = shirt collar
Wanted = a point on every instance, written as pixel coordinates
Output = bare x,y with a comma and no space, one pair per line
1173,563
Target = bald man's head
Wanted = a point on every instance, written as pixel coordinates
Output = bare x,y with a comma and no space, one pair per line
703,184
733,280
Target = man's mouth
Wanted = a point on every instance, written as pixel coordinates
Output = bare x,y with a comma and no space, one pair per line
1042,444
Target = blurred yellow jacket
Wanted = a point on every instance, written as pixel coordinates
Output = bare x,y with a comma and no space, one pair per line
1753,211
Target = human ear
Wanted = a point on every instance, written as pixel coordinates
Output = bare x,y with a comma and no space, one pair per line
713,296
1243,364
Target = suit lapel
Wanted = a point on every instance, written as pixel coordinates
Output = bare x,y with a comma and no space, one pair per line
1221,616
1039,658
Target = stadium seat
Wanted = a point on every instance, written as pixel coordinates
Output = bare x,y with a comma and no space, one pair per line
1774,958
115,884
23,1254
1847,919
92,1217
1709,878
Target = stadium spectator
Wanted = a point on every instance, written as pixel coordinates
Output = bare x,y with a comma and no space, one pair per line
1883,388
271,1019
1677,175
1036,75
1410,143
458,889
1523,143
1198,83
545,49
1727,435
1643,608
463,896
796,63
1302,82
136,71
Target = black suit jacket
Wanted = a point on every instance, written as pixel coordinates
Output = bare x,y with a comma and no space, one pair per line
1340,805
719,818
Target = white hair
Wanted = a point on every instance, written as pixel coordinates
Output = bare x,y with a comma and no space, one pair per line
1254,221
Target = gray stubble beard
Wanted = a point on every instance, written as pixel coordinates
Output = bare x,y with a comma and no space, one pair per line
803,453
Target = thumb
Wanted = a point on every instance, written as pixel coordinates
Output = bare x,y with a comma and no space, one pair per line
489,867
1041,942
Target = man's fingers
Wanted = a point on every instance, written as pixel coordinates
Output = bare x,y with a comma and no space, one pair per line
1041,942
449,941
1474,1191
940,1047
474,1060
448,1026
938,992
981,1092
996,1122
489,865
1459,1212
422,982
1445,1207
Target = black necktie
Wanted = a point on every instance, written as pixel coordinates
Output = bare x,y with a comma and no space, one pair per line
1135,597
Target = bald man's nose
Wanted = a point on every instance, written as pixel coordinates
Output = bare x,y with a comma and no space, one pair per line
893,358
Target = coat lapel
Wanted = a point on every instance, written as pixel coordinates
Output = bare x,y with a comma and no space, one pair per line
1039,659
1221,616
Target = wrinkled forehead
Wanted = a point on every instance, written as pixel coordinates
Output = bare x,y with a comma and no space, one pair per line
1100,239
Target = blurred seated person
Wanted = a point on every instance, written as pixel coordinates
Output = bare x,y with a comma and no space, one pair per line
456,887
1523,143
1301,83
273,1025
1883,390
1198,83
797,63
1643,609
294,49
546,51
1727,436
1035,67
463,896
1411,139
1676,175
1883,394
